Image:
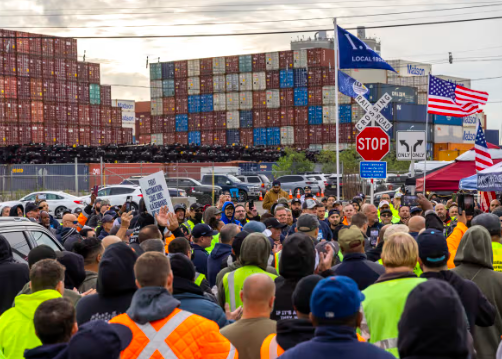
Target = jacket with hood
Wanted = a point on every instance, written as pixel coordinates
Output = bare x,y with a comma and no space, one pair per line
272,197
199,258
255,251
209,213
224,217
218,255
54,223
474,262
291,332
13,276
68,237
297,261
13,210
193,337
90,281
360,269
17,331
48,351
116,286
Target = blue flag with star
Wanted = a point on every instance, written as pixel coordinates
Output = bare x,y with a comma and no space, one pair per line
355,54
351,87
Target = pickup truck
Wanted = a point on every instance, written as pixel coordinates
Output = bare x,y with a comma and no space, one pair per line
238,189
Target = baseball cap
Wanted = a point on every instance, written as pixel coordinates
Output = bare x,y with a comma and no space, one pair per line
307,187
195,206
296,200
202,230
383,203
98,339
179,206
415,210
254,227
40,252
31,206
303,292
336,297
307,223
107,219
385,211
105,202
350,237
338,203
432,247
282,201
274,223
333,211
357,199
276,183
309,204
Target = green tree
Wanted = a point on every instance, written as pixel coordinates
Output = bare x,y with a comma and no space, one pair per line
293,162
328,160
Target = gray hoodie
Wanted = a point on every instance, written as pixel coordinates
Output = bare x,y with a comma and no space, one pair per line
150,304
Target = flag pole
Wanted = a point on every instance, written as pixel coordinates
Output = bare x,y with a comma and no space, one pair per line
426,130
336,112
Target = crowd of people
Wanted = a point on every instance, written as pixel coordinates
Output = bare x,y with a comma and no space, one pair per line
305,277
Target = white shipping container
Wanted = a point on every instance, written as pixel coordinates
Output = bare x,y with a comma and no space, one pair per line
468,134
329,115
367,76
272,59
233,120
273,99
193,68
233,101
287,135
448,134
156,89
219,66
156,107
456,80
128,117
407,68
329,147
259,81
219,102
125,105
328,95
344,99
157,138
300,59
232,82
472,121
193,85
246,100
422,98
246,81
315,147
219,84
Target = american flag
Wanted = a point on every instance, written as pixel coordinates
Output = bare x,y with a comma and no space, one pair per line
448,99
483,160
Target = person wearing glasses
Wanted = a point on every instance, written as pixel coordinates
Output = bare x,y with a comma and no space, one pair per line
69,234
386,216
194,215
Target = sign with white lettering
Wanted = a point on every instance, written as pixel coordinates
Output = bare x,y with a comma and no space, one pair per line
410,145
373,112
373,169
155,193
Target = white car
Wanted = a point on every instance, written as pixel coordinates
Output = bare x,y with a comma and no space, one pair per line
321,179
58,201
117,195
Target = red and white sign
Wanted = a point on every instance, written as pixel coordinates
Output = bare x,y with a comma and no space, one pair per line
372,144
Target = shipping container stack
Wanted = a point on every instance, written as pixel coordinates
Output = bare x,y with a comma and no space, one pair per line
48,96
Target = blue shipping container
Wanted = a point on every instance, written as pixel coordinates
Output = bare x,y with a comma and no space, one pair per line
260,136
246,119
403,94
345,113
448,120
206,103
155,72
168,88
245,63
315,115
404,112
286,79
194,104
194,138
273,136
233,136
181,123
167,70
492,136
301,77
301,96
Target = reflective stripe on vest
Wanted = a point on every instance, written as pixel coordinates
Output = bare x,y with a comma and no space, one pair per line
231,286
270,349
199,278
387,344
277,257
497,256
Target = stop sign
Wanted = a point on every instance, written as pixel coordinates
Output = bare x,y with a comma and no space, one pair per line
372,144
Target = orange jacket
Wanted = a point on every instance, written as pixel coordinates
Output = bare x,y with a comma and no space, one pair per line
453,241
187,336
168,240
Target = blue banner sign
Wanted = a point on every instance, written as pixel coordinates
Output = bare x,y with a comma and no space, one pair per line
373,169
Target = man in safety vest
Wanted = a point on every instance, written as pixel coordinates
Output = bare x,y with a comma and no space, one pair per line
195,215
160,329
492,223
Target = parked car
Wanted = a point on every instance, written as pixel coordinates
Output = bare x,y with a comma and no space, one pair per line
24,235
203,193
296,183
321,179
58,201
330,189
232,184
394,181
173,191
260,181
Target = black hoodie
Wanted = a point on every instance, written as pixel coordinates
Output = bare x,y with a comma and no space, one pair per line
297,261
115,286
13,276
13,210
291,332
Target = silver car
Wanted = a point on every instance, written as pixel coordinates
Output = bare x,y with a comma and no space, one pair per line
297,183
260,181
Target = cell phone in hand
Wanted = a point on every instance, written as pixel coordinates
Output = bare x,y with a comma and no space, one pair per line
95,190
466,202
128,203
410,201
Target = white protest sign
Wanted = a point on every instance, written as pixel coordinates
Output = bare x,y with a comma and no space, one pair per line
155,193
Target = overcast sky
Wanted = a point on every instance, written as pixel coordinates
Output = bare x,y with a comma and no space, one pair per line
124,60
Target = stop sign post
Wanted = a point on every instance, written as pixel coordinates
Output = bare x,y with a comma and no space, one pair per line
372,143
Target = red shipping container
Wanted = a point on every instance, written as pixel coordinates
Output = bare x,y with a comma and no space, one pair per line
25,136
60,69
48,65
96,135
9,64
260,99
145,139
181,87
10,111
47,47
35,44
117,135
22,42
301,116
94,73
24,111
259,62
287,97
260,118
287,116
60,87
182,138
2,113
301,135
169,124
273,79
220,120
37,133
106,116
194,122
169,106
23,65
82,72
169,138
157,123
329,134
50,112
145,125
10,87
61,113
206,67
286,60
347,133
72,92
220,137
49,88
72,114
107,136
207,121
37,112
116,117
207,138
72,135
206,84
315,96
84,136
320,58
180,69
106,95
84,116
2,87
316,134
59,47
328,77
273,117
12,135
71,70
181,105
62,134
232,64
2,69
83,93
95,115
247,137
314,78
35,67
9,41
70,50
23,88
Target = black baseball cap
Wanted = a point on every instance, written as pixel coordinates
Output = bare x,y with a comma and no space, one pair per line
332,212
194,206
303,292
202,230
276,183
307,187
386,211
31,206
296,200
432,248
274,223
307,223
415,210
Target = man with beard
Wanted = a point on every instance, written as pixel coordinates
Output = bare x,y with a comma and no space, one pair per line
195,215
251,212
296,208
334,223
273,195
240,214
443,215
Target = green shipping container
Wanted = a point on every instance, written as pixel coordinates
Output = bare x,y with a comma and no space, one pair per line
155,71
95,94
245,63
